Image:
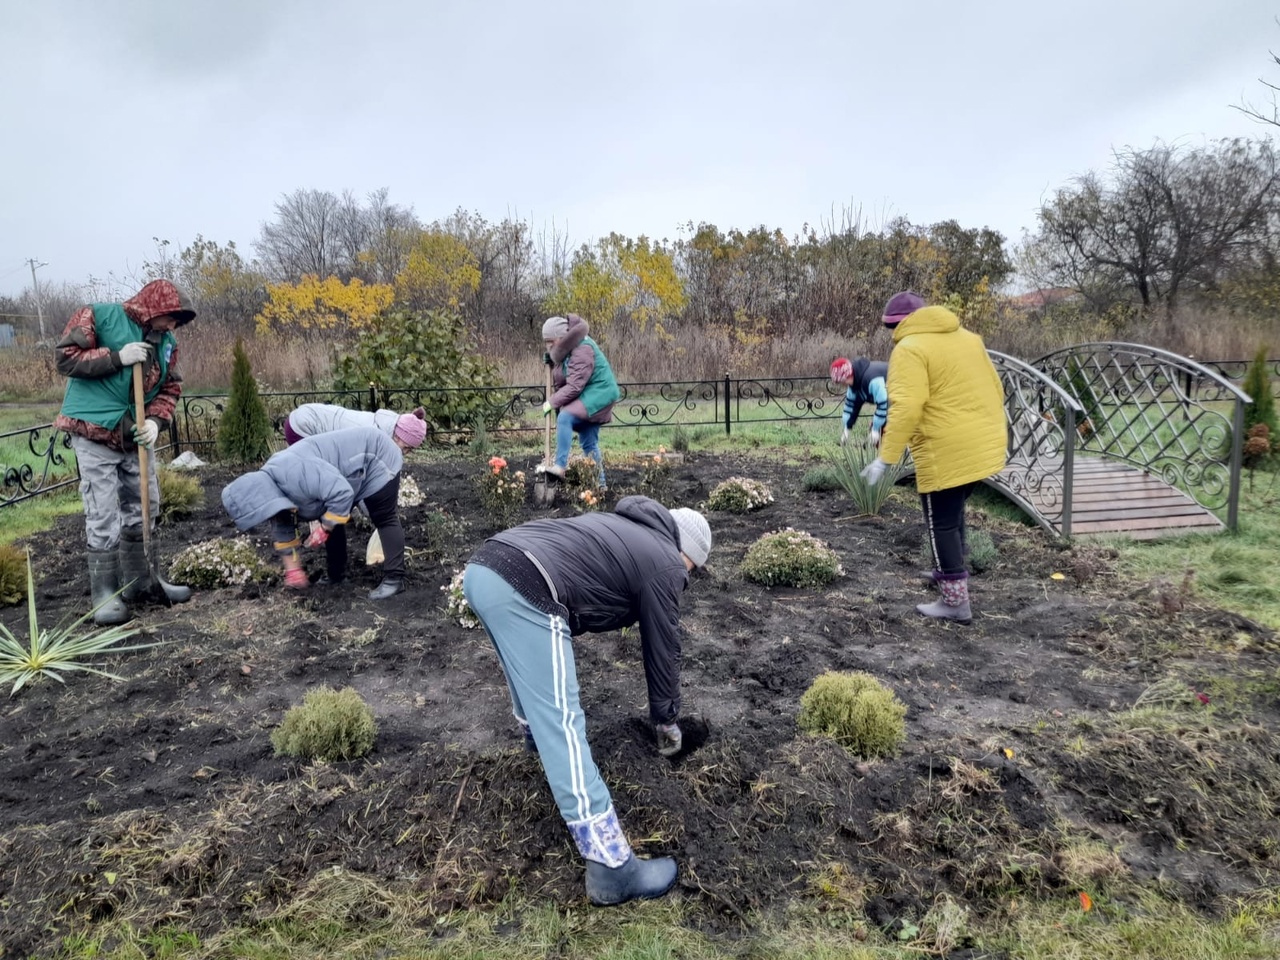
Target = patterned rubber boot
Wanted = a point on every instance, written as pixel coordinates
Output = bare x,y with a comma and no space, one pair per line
954,604
614,874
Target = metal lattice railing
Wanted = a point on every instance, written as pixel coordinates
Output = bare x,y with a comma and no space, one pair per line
1157,411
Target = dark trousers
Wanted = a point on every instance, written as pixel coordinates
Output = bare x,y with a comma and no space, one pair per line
944,523
386,519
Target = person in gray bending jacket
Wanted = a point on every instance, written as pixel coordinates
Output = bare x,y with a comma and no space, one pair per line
323,478
313,418
537,585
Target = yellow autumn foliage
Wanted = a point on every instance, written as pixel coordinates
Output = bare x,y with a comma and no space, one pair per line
328,304
439,272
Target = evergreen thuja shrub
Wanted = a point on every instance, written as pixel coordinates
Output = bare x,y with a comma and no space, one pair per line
1257,384
856,710
409,348
180,494
244,432
328,725
13,575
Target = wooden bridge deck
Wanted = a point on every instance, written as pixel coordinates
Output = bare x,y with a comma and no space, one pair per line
1114,498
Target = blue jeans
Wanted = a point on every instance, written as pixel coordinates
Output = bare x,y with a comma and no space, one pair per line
536,653
588,434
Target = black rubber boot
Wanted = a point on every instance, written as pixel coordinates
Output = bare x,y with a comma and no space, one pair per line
387,588
104,583
135,573
635,880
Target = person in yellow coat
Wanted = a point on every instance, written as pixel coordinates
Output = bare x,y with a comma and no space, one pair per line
948,408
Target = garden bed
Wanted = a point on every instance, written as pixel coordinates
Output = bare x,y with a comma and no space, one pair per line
1026,772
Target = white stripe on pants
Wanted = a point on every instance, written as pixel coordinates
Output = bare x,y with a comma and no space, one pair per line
536,652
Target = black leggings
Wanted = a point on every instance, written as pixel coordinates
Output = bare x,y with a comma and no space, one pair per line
386,519
944,523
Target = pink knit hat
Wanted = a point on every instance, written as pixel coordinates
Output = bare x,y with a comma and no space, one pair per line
901,305
410,430
841,369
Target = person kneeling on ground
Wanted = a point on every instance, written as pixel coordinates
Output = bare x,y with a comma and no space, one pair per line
323,478
311,419
585,390
536,585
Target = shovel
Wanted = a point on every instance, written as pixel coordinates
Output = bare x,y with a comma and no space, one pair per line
152,590
544,494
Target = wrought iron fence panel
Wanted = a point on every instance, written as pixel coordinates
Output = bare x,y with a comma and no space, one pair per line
51,467
1157,411
1042,422
788,398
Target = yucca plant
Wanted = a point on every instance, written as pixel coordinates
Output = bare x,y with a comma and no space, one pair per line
54,652
868,498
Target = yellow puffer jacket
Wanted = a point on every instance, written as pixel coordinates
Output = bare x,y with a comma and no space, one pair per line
945,402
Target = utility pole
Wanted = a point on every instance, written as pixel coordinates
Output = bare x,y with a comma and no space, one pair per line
35,292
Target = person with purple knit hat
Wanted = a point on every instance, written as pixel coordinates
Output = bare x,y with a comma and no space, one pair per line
948,408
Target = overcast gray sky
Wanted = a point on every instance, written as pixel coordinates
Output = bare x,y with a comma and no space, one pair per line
124,120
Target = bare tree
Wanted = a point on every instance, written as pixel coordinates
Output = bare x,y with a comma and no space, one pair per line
303,238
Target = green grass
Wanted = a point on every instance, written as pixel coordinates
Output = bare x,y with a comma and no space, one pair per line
1122,925
1235,571
39,513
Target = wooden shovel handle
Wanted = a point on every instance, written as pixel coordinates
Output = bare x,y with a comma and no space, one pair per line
139,417
546,446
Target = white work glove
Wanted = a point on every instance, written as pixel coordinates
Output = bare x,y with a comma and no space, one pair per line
145,433
136,352
874,470
873,438
844,437
669,738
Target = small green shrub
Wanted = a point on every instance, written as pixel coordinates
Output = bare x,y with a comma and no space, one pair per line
329,725
1257,384
180,495
480,446
13,575
441,533
856,710
791,558
983,553
820,480
244,429
219,563
680,438
867,498
740,495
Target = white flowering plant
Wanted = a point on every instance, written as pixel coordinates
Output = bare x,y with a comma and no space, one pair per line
410,494
219,563
456,606
740,495
791,558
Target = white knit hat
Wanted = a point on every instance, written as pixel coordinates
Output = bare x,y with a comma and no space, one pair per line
555,328
695,534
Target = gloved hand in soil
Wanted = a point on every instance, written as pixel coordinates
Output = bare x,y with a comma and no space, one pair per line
145,433
669,738
874,470
318,536
295,578
844,437
873,439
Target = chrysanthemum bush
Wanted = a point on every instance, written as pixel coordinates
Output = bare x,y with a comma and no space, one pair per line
791,558
328,725
456,606
740,495
655,477
502,492
410,494
219,563
582,483
855,709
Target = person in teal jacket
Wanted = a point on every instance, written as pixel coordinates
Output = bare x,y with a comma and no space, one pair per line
585,390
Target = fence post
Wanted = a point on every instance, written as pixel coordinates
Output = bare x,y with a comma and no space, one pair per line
373,399
726,405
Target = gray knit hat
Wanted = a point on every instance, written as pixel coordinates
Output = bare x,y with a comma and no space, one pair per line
555,328
695,534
